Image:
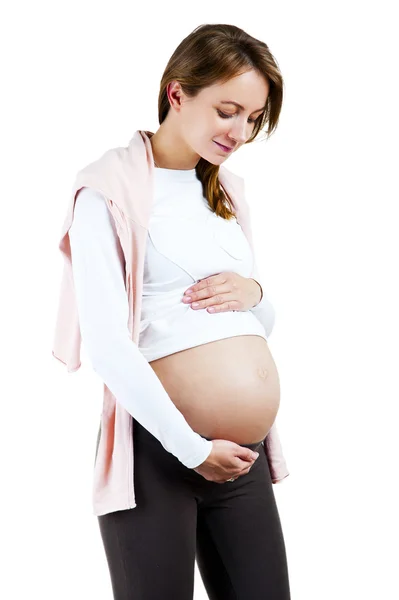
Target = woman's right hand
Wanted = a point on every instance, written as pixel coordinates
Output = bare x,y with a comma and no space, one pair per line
226,460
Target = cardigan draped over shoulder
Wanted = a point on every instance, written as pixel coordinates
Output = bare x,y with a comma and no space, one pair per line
124,176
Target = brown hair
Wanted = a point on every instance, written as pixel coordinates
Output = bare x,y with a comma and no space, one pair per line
214,53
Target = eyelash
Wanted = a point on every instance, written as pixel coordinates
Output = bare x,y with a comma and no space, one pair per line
224,116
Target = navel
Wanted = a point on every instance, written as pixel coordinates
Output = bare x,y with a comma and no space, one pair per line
263,373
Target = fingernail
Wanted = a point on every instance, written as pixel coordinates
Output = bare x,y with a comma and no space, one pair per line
255,454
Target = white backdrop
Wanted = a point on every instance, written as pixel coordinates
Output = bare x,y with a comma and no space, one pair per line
81,77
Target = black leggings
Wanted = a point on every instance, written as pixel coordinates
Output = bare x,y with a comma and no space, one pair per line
232,529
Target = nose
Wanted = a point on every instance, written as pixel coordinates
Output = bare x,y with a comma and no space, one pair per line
238,132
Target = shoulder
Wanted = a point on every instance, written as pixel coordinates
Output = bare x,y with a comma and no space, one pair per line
232,181
90,201
104,171
91,211
122,175
226,173
235,185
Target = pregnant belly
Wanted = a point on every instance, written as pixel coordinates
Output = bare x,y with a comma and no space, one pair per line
227,389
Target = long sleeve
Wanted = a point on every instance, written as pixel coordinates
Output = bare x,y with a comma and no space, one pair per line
264,310
98,273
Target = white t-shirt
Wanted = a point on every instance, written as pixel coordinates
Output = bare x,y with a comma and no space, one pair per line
186,242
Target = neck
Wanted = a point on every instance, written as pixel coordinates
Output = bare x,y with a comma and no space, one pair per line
169,152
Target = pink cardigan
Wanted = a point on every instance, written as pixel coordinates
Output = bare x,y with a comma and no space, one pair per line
124,175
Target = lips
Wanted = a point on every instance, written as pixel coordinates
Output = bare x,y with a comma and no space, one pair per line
225,148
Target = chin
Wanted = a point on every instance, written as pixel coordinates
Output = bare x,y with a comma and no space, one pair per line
218,160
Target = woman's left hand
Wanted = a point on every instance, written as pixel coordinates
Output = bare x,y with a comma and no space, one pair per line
224,292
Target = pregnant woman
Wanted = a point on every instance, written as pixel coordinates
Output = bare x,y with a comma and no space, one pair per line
156,237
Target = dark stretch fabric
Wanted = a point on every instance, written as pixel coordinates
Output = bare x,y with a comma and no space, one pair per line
231,529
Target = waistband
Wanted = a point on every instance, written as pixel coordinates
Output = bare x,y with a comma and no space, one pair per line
254,447
146,435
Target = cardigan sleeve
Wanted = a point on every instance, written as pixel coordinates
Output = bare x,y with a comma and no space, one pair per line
98,273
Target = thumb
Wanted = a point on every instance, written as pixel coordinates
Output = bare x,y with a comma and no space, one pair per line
247,454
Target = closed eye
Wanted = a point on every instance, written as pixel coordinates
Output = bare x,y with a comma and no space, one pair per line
224,116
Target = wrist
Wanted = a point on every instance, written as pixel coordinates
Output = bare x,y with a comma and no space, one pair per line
259,291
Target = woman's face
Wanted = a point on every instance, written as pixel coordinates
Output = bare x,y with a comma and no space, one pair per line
208,119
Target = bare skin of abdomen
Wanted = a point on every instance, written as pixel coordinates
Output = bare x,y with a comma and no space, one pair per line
227,389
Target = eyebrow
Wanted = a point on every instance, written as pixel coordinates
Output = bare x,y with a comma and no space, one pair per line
239,105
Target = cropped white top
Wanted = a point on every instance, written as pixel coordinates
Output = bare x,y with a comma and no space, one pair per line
186,242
